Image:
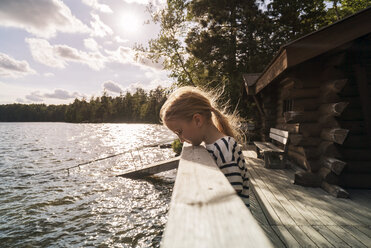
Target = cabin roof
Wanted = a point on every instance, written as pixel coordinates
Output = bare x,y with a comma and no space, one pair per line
312,45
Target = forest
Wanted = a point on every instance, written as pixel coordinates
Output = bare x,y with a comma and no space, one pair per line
139,107
204,43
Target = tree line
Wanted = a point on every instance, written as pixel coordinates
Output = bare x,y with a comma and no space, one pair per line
141,106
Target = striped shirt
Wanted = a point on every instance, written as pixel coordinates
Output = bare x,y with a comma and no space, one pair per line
228,156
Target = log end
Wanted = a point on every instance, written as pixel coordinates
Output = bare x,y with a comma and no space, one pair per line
335,190
308,179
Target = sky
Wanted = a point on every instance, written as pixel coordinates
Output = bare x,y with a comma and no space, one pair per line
53,51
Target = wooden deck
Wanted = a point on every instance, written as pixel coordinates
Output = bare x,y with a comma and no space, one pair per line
296,216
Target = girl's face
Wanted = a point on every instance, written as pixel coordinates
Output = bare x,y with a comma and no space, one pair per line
187,131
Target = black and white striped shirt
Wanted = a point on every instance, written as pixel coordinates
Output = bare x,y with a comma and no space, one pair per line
228,156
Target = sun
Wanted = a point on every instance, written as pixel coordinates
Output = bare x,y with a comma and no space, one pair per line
130,22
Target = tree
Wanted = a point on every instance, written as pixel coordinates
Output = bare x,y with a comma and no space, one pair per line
343,8
211,44
228,40
169,48
292,19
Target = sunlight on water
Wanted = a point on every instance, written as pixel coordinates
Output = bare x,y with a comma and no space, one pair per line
41,205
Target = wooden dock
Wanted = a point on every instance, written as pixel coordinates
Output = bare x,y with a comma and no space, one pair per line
155,168
297,216
205,210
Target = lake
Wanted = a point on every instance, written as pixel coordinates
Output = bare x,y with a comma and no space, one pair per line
43,205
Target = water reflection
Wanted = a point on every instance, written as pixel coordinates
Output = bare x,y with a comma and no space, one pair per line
41,206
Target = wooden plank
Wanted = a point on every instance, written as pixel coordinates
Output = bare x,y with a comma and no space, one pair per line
278,209
330,236
349,239
363,238
278,138
254,186
153,169
330,207
352,210
296,192
286,236
333,225
256,209
279,132
353,207
267,146
273,237
275,68
205,210
269,212
296,198
258,214
277,190
316,237
365,229
300,236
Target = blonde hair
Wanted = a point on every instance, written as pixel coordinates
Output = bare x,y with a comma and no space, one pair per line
186,101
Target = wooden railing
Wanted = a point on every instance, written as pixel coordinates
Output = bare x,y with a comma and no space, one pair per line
205,211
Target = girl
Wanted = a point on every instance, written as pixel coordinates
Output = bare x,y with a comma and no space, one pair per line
191,114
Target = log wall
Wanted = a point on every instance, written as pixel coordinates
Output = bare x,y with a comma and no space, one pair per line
357,116
329,133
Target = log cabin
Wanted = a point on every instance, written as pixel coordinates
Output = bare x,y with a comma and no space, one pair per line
318,88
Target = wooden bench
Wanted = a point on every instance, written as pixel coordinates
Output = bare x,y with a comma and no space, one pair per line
271,152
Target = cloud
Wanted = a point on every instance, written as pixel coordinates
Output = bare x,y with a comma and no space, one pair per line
91,44
142,59
34,96
20,100
49,74
10,92
68,53
98,6
43,18
112,86
118,39
145,2
99,28
122,55
58,55
127,55
62,94
43,53
10,67
147,87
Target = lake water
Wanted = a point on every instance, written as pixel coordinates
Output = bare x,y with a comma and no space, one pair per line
41,205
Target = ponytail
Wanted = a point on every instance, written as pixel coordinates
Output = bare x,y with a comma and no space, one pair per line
226,123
